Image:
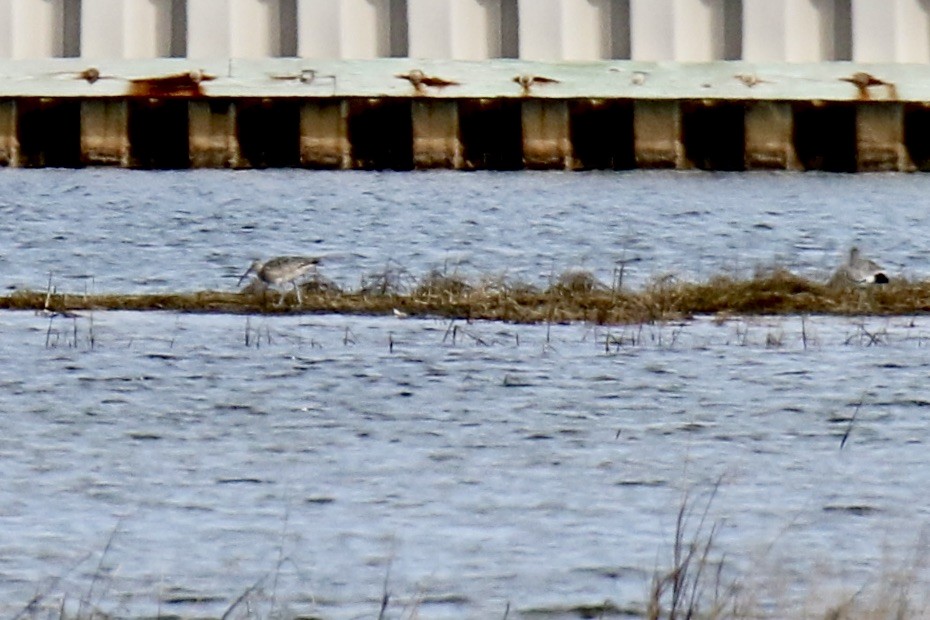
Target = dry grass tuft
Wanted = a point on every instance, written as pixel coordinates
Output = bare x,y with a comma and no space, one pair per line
439,286
694,585
572,283
393,281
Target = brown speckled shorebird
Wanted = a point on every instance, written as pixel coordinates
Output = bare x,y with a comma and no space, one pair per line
419,80
282,270
864,81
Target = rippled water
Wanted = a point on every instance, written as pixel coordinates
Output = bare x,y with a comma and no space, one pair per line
134,231
163,463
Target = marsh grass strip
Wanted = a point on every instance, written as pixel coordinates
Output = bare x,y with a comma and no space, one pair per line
572,297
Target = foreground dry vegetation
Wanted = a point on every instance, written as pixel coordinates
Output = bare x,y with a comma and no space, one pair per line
573,296
693,580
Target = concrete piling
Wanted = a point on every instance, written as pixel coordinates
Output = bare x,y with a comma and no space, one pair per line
324,134
546,134
9,145
769,136
880,138
104,133
213,139
657,136
436,141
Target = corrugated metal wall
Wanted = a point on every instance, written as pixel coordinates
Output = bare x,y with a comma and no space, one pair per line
551,30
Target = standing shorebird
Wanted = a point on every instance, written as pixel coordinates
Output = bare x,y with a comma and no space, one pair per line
282,270
864,81
527,81
419,80
860,271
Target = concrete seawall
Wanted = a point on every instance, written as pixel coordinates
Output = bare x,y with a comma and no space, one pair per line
502,114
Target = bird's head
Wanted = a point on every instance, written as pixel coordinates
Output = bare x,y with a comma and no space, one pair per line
253,268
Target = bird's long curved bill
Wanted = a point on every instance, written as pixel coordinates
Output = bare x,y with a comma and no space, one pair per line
244,276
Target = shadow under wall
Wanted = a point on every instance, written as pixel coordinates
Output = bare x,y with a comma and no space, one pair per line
602,134
714,135
269,132
158,133
49,132
381,133
492,134
917,135
825,136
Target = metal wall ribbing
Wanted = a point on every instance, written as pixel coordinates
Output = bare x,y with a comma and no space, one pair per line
549,30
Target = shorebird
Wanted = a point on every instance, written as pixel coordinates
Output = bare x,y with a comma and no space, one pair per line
305,76
89,75
860,271
639,78
527,81
282,270
418,80
750,79
863,81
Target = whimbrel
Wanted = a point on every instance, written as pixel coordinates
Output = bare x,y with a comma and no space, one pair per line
282,270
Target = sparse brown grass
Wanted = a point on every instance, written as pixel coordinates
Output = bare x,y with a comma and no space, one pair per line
696,580
700,582
573,296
